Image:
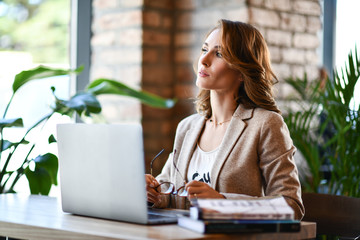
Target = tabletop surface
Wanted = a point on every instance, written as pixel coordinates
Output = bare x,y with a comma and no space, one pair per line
41,217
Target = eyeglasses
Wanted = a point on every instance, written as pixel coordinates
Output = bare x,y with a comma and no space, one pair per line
167,188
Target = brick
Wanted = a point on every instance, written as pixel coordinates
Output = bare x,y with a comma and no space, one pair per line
185,4
167,21
185,73
150,55
258,3
129,37
151,18
275,55
281,70
313,24
183,55
102,72
306,40
120,56
160,4
119,20
129,74
292,55
153,38
293,22
185,91
298,71
312,71
157,74
238,14
183,21
154,127
103,39
132,3
312,57
281,5
104,4
116,108
278,38
287,92
215,4
206,19
151,113
184,39
264,18
307,7
183,108
163,91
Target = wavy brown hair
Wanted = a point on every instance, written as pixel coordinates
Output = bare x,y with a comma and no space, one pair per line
245,50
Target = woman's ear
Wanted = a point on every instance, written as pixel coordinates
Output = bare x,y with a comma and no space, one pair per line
241,77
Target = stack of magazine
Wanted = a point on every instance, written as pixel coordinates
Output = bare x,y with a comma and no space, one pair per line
240,216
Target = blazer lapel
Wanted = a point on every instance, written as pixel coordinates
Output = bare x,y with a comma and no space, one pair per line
233,133
190,141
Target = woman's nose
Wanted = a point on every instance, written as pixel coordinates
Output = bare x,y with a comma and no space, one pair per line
205,59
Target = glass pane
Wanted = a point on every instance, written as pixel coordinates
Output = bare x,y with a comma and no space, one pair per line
347,35
32,33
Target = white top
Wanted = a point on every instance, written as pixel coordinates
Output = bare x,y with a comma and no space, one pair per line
201,165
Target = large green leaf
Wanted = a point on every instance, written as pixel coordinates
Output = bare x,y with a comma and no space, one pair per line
39,181
81,102
14,122
49,162
108,86
40,72
51,139
7,144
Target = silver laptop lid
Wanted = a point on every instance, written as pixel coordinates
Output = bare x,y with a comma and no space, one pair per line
102,171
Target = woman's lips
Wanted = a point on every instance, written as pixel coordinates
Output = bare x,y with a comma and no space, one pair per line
203,74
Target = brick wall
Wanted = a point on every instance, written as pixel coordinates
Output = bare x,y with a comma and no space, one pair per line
154,44
291,29
117,53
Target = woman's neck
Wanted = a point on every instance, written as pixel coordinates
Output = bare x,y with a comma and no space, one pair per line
222,106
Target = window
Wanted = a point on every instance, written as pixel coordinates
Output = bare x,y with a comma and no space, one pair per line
347,35
33,32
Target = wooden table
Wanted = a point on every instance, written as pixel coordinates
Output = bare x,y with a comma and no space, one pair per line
40,217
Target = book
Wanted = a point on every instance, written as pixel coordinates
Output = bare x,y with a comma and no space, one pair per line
273,208
239,226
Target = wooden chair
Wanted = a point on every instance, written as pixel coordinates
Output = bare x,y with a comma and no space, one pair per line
334,215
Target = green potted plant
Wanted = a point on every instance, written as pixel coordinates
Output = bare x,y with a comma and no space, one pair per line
326,131
43,175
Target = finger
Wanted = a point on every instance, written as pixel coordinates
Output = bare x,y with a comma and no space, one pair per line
194,183
151,181
193,196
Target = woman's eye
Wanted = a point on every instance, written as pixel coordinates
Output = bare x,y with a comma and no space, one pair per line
218,54
203,50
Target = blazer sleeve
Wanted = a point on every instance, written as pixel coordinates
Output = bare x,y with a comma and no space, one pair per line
276,161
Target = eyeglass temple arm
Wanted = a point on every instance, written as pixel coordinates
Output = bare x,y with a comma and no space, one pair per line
151,163
177,167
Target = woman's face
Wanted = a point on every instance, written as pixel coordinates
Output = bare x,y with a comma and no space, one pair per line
213,72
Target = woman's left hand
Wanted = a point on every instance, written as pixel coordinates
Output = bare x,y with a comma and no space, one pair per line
198,189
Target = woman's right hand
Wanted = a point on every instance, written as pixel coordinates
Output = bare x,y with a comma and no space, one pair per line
152,195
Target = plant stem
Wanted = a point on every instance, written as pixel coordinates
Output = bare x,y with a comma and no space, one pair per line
2,173
20,173
8,105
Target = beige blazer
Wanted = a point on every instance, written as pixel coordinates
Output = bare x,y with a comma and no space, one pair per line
255,159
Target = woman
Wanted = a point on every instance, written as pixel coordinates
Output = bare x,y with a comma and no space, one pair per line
238,145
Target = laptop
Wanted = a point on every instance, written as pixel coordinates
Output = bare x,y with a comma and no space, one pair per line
102,173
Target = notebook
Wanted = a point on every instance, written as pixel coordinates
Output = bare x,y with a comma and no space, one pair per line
102,173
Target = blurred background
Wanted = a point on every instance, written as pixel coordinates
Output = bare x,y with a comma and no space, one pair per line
152,45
